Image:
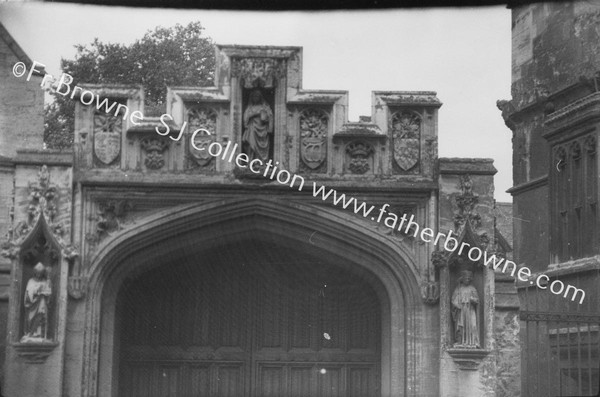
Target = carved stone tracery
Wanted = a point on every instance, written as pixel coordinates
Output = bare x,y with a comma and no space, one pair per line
43,201
258,72
466,202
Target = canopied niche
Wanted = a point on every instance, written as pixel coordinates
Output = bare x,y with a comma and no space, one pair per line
40,259
40,265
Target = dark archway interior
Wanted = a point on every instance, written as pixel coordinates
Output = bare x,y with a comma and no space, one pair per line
249,319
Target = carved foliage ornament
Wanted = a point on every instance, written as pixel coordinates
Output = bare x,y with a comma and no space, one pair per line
107,137
203,119
466,202
313,137
109,218
258,72
406,134
359,156
154,148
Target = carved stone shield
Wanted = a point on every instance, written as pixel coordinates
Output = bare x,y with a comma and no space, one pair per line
201,141
406,129
107,146
107,138
406,153
313,152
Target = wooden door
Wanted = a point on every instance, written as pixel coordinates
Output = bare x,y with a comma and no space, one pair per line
249,329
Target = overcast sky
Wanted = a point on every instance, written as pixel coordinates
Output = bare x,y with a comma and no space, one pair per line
462,54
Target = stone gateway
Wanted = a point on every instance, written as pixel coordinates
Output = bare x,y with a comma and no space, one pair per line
178,273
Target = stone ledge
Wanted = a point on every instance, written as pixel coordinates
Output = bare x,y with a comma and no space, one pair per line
207,94
572,108
529,185
473,166
44,157
467,359
565,268
421,98
34,352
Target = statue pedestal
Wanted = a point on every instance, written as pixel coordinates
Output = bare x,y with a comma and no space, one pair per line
467,359
34,350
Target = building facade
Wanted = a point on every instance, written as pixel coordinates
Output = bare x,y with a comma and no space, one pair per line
169,271
554,115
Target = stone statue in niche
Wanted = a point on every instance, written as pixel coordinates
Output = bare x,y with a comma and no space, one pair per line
465,301
258,125
36,302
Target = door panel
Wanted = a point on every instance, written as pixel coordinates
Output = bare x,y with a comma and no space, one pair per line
272,327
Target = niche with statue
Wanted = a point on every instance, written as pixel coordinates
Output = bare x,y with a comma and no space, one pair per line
40,258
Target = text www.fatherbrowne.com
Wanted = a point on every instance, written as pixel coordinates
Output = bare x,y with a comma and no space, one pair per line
451,244
271,171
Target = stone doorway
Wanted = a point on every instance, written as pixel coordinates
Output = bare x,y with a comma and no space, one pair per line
249,319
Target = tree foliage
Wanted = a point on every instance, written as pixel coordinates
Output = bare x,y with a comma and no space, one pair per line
176,56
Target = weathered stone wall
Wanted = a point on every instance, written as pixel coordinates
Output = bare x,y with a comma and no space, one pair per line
555,53
21,106
21,126
554,45
555,57
508,352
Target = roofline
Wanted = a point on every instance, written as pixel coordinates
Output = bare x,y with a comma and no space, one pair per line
17,50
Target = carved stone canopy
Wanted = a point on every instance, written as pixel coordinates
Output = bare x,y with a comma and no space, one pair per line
258,72
42,213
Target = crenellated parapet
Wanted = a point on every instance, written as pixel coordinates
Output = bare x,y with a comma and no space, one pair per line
306,132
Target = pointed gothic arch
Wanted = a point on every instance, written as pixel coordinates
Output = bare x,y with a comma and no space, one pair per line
386,266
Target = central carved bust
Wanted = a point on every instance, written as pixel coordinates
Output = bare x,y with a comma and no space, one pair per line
258,127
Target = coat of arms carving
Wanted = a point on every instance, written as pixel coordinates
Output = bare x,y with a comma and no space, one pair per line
107,137
406,131
313,138
206,120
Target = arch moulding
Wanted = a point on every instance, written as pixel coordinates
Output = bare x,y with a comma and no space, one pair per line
389,268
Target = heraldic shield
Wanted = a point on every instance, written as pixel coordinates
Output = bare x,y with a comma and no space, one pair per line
107,138
406,152
406,133
313,151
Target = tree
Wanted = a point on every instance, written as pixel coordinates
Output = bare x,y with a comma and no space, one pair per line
174,56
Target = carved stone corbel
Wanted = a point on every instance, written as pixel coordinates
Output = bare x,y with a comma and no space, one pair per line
430,292
439,259
77,287
34,353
